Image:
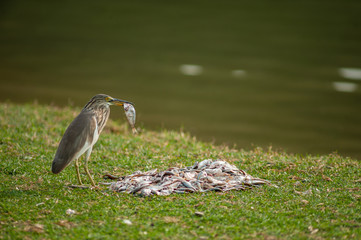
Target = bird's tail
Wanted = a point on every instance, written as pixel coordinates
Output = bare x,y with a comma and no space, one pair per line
58,165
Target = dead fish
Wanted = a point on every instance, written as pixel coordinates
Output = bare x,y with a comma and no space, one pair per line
203,176
155,187
151,172
174,185
170,182
130,114
146,192
199,186
188,185
204,164
185,183
179,191
216,189
214,171
105,183
109,176
165,192
186,189
215,181
217,164
167,173
189,175
137,189
257,181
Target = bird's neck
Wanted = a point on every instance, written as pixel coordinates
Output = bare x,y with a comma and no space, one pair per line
102,116
101,113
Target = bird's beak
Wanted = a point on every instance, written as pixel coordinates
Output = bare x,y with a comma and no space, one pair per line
119,102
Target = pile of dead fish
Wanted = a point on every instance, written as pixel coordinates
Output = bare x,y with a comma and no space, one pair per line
203,176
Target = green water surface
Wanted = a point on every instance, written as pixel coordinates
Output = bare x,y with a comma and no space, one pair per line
290,53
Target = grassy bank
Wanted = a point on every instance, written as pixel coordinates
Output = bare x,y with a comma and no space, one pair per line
318,196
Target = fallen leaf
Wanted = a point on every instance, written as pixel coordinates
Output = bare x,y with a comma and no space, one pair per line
357,196
170,219
200,214
65,223
309,191
312,230
199,204
38,228
70,211
270,238
295,177
297,183
326,178
128,222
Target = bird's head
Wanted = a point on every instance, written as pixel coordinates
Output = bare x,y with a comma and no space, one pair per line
115,101
101,99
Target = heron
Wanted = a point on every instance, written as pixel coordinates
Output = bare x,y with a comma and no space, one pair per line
82,133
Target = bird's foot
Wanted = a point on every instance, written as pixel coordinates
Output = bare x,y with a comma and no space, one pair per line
95,188
78,186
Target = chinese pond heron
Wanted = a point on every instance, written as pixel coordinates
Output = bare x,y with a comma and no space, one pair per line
82,133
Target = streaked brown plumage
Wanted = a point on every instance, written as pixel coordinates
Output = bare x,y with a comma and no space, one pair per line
82,133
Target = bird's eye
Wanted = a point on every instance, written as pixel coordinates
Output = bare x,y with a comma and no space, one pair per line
108,99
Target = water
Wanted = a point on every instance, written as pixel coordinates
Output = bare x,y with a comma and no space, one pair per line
240,73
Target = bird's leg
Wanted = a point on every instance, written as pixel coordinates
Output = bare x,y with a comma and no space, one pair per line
86,165
77,171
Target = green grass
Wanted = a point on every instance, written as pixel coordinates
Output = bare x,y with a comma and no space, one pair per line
33,201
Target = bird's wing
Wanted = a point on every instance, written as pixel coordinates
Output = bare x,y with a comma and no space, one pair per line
81,134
